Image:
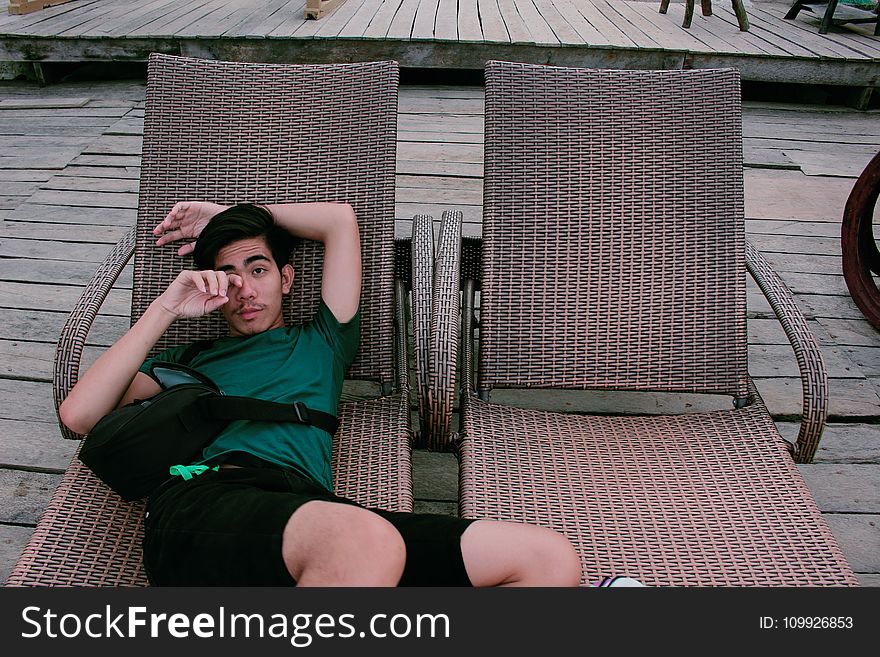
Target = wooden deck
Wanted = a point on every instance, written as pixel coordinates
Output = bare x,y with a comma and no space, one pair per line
452,34
69,167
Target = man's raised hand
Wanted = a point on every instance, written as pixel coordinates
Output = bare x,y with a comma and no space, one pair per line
197,293
185,221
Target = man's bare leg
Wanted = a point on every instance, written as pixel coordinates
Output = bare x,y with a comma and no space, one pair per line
332,544
514,554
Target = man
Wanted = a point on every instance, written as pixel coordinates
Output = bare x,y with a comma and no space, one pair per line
267,515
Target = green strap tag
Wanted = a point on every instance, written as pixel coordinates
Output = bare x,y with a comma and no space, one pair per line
190,471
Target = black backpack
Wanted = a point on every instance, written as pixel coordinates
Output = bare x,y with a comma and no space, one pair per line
131,448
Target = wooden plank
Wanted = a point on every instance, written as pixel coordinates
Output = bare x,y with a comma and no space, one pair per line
849,400
41,103
23,270
105,22
68,214
469,21
608,22
62,233
266,18
759,227
318,8
587,32
32,326
859,538
514,22
86,199
562,29
13,539
167,23
839,45
423,25
446,21
94,184
106,160
792,195
844,488
381,22
541,33
332,25
26,401
34,361
35,445
27,6
360,21
77,15
842,442
492,22
115,145
401,26
866,358
835,307
25,495
778,360
857,332
44,296
32,158
75,170
46,250
219,19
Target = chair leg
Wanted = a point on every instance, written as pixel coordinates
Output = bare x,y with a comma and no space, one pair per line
706,6
829,15
741,16
795,9
664,5
688,13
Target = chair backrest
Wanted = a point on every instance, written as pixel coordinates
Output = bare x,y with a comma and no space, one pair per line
613,230
234,132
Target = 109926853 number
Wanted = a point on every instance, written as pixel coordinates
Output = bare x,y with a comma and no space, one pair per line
817,622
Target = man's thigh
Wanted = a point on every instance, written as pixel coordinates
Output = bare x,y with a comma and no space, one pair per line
433,548
223,529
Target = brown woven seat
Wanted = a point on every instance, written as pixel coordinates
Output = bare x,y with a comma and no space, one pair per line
233,132
614,258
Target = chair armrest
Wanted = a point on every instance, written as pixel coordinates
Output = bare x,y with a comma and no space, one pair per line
435,283
68,352
814,379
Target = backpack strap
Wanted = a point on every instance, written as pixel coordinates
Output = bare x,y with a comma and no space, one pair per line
223,407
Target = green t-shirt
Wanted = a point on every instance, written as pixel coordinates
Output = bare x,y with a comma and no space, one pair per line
304,363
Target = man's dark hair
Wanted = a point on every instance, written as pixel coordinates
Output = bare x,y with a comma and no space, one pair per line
241,222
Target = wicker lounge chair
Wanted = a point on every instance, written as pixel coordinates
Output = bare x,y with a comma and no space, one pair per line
249,132
614,257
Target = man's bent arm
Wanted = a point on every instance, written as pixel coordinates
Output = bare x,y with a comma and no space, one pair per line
114,377
102,387
335,225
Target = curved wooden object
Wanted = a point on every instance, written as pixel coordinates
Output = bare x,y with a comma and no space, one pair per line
861,258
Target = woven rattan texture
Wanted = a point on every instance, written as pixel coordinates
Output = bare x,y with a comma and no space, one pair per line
613,230
708,499
230,132
814,378
87,536
240,132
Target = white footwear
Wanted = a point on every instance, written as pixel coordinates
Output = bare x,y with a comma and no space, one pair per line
617,581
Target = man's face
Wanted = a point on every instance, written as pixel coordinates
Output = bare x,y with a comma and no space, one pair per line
256,306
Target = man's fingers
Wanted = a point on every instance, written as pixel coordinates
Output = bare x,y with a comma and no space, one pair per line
222,283
186,248
199,281
211,281
235,279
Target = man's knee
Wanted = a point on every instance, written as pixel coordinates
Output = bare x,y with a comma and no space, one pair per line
327,543
519,554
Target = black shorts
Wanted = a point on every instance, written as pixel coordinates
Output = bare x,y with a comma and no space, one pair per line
225,529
